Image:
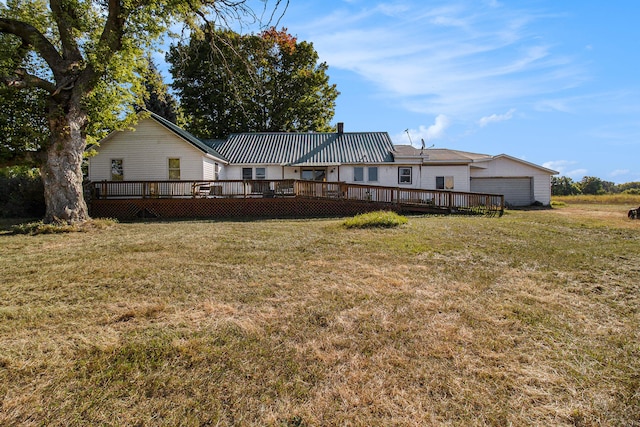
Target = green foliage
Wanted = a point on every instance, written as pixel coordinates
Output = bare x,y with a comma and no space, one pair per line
21,193
157,98
378,219
563,186
269,82
592,185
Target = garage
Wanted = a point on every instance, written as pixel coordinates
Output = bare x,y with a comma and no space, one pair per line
517,191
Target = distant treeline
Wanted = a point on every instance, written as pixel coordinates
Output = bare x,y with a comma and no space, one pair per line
565,186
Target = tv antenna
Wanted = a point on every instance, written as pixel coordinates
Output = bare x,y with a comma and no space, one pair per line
409,135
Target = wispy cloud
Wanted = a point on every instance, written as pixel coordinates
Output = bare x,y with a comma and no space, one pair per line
496,118
620,172
566,168
462,59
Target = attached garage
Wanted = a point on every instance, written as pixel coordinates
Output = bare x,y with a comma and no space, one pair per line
517,191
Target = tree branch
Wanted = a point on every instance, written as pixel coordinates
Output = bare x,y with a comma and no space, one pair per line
109,43
65,20
32,37
23,80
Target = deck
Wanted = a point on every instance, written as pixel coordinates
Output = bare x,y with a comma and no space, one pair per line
275,198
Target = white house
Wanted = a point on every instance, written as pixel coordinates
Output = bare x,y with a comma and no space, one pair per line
156,150
159,150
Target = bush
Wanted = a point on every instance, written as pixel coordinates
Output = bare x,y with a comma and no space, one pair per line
381,219
21,197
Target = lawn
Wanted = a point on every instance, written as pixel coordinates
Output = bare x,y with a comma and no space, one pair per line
528,319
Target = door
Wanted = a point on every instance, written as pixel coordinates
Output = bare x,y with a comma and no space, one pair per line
517,191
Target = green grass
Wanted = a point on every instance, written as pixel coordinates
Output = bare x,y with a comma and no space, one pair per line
528,319
378,219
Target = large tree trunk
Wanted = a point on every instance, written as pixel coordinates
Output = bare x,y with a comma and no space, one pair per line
62,167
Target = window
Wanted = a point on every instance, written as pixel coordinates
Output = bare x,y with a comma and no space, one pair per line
373,173
404,175
216,172
358,174
247,173
444,183
314,174
174,168
117,170
261,173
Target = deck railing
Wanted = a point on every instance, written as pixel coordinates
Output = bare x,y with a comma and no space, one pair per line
410,199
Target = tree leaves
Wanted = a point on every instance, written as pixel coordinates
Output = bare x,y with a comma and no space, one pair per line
267,82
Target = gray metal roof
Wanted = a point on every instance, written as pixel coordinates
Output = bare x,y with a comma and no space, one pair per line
298,149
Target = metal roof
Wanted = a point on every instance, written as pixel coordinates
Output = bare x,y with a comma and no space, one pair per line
312,149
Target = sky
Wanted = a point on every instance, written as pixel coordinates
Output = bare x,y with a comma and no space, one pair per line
555,83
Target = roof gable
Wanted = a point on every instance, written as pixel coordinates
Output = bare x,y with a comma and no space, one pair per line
296,149
185,136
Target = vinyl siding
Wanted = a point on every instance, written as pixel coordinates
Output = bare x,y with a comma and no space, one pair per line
145,153
460,174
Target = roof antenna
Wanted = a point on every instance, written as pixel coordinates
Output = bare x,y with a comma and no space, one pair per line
409,135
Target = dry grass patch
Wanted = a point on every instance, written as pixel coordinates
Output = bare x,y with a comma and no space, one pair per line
530,319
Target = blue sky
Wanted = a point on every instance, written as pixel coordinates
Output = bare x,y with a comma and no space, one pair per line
552,82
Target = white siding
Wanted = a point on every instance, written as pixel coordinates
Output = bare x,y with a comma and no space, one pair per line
460,174
234,172
208,168
145,153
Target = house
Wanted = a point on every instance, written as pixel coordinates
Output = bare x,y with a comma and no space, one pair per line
156,150
159,150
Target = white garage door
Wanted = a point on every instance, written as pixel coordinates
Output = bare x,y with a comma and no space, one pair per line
517,191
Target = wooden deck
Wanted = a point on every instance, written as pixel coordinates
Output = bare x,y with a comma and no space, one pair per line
130,199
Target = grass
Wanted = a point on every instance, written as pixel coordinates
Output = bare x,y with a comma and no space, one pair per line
633,200
378,219
528,319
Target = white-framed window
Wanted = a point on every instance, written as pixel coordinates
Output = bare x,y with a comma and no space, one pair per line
117,170
444,183
404,175
174,169
261,173
216,172
373,173
247,173
358,174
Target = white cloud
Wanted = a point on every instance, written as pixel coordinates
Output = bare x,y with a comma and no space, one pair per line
458,60
496,118
565,168
620,172
428,134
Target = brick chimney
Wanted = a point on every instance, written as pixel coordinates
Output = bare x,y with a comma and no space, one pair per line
340,128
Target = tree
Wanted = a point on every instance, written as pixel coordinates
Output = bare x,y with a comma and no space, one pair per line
563,186
157,98
267,82
86,57
591,185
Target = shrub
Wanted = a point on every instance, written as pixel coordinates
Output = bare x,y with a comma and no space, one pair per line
381,219
21,196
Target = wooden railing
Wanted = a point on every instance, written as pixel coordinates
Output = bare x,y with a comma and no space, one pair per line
410,199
